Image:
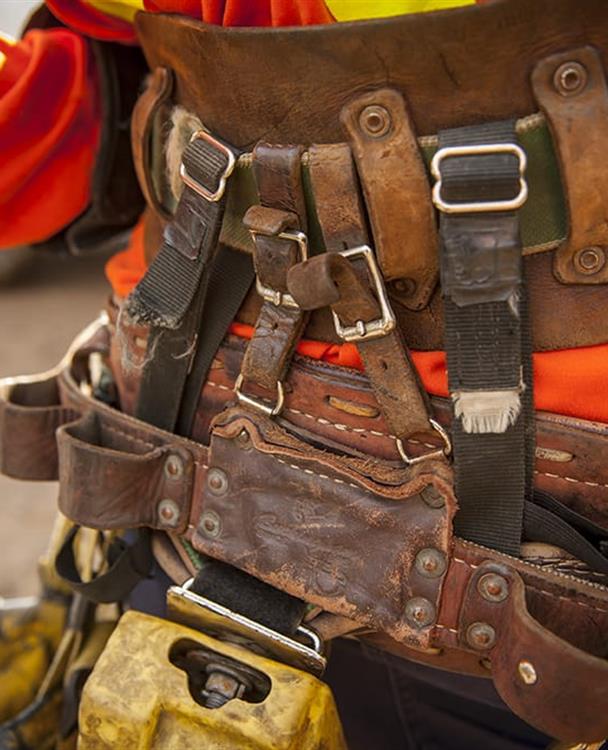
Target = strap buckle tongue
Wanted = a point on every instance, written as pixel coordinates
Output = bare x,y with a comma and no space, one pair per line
275,296
371,329
213,196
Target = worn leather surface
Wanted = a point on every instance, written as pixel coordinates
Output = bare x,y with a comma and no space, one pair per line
452,67
397,192
578,118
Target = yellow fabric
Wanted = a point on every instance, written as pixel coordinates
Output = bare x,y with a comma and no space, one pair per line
355,10
125,9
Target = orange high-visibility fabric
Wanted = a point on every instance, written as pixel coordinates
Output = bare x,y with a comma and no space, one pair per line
49,129
573,382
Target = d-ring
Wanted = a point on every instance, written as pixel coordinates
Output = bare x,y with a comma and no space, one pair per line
440,452
270,411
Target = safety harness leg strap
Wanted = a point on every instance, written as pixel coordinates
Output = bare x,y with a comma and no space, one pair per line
480,185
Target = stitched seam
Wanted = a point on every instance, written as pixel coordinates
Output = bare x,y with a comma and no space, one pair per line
445,627
130,437
336,425
571,479
314,474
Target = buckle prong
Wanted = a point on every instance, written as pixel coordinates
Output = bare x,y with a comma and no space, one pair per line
276,297
372,329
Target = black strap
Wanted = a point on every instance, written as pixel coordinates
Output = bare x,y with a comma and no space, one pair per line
128,565
248,596
171,296
487,340
231,277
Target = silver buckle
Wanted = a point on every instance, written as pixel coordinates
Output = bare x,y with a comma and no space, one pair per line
282,299
479,150
191,609
267,409
196,186
445,450
372,329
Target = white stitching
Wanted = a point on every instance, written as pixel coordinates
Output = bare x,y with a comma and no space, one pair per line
314,473
445,627
337,425
131,437
571,479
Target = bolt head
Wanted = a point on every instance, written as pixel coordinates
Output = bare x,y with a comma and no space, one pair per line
527,672
217,482
590,260
570,78
493,587
375,121
430,563
420,612
210,524
168,513
481,636
174,467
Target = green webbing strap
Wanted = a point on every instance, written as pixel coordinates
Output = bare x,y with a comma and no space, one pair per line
488,349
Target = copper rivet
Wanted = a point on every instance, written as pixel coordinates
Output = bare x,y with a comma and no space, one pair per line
217,481
527,672
244,440
430,563
590,260
570,78
405,287
493,588
210,524
481,636
168,513
432,497
419,612
174,467
375,121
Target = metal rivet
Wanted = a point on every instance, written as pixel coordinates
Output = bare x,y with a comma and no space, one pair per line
168,513
430,563
217,481
481,636
432,497
419,612
590,260
570,78
375,121
404,287
174,467
244,440
527,672
493,588
211,524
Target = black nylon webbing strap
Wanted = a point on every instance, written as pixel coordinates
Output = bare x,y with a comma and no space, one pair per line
170,297
486,338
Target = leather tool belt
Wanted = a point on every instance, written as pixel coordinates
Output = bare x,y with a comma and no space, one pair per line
470,533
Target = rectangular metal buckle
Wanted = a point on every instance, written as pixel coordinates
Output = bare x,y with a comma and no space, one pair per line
372,329
188,608
282,299
212,197
479,150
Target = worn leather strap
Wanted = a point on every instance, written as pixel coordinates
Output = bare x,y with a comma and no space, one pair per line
571,90
397,192
171,295
279,326
331,279
488,352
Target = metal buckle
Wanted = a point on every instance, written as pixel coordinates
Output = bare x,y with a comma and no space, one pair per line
479,150
439,453
191,609
196,186
372,329
270,411
282,299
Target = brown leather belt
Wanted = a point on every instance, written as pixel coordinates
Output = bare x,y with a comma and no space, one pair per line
523,623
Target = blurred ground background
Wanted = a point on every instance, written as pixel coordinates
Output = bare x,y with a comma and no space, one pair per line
44,301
